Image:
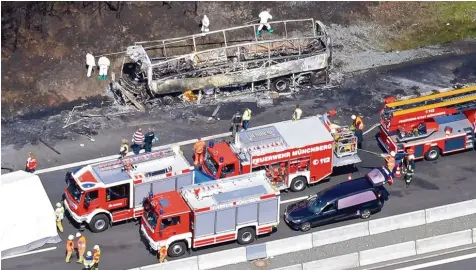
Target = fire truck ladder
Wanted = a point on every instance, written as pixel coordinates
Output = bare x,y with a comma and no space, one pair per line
460,99
136,159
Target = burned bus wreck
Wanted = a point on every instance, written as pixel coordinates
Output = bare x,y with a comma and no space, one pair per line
229,59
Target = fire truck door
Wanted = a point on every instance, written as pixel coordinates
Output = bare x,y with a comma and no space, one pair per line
320,165
169,227
117,197
91,200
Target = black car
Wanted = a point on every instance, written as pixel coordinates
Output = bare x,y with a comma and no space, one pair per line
360,197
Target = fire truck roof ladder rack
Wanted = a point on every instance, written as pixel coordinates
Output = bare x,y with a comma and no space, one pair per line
458,99
168,152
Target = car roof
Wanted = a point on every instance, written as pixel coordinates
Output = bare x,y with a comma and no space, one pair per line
346,188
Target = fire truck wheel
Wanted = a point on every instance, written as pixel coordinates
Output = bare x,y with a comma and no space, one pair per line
432,154
306,226
280,84
365,214
99,223
246,236
298,184
177,249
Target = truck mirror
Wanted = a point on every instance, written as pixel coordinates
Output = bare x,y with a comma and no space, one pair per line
86,202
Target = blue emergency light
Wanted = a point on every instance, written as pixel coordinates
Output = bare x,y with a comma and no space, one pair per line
161,211
221,159
211,144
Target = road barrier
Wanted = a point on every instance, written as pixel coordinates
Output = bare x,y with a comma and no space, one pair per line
344,233
336,263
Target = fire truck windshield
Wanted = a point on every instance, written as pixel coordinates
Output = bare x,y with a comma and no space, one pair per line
211,164
74,190
150,215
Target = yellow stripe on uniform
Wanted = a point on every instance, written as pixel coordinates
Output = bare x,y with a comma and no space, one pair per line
436,105
430,97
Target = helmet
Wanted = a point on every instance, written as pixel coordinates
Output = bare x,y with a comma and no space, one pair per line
70,237
410,151
58,205
353,117
96,247
392,153
89,253
78,234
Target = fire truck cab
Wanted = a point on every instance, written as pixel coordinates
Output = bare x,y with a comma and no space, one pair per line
211,213
431,125
109,192
294,153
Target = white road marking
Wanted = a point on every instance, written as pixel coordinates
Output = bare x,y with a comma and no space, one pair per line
102,159
295,199
444,261
29,253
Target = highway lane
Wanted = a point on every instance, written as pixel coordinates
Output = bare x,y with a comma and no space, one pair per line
448,180
436,183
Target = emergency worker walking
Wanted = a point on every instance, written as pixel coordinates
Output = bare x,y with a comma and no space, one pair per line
358,128
69,248
30,163
96,257
103,64
81,246
91,63
205,24
137,141
236,121
297,113
198,149
162,254
88,261
59,212
408,167
246,118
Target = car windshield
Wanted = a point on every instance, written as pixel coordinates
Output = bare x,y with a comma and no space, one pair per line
74,190
314,203
150,215
211,164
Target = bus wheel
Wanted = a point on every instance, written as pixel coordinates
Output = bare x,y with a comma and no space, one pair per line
280,84
298,184
177,249
99,223
168,100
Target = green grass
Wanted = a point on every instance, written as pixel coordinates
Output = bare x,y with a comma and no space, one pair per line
432,28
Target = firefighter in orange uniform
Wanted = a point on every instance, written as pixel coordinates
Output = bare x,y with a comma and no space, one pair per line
69,248
31,163
198,149
162,254
81,245
358,128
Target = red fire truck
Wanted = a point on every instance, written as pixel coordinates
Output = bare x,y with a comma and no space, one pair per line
210,213
294,153
109,192
431,125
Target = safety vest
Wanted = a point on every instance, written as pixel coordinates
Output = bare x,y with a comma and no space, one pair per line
124,148
247,115
198,147
31,163
357,124
163,251
297,114
81,243
96,255
69,245
59,213
390,163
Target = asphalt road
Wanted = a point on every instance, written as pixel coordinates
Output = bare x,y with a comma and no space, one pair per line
447,180
469,264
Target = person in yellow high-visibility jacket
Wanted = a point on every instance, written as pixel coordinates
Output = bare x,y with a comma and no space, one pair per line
358,128
162,254
81,245
246,118
96,256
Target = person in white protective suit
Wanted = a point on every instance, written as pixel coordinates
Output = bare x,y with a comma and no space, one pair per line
91,63
103,64
205,24
264,17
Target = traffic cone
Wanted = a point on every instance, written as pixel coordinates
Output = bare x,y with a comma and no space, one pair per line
349,177
398,172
